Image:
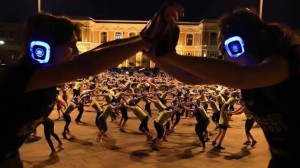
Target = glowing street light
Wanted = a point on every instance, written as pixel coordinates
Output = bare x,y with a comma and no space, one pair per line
261,8
39,6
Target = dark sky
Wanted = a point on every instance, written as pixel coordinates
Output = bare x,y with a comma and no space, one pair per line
284,11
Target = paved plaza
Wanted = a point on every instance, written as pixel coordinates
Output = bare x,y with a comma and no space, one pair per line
131,150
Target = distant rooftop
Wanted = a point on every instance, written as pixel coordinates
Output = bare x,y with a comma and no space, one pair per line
136,21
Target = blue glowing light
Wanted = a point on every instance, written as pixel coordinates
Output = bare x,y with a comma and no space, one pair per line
234,46
40,51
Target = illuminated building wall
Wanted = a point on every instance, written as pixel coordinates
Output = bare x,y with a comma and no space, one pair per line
196,38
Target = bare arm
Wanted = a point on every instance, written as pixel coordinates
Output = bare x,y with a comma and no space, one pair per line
87,64
177,72
212,71
239,110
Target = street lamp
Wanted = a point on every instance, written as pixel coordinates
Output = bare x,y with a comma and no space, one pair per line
39,6
260,8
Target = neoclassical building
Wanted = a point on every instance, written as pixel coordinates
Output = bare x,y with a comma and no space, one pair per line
196,38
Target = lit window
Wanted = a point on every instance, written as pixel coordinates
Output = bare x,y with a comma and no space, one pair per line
131,34
213,38
118,35
189,53
189,39
213,54
103,37
206,38
204,53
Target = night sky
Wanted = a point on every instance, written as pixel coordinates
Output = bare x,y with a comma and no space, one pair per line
284,11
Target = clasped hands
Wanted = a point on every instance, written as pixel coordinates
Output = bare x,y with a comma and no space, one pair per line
162,30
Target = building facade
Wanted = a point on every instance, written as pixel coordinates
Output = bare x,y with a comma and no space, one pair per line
196,38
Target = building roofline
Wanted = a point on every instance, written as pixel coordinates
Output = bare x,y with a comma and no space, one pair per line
136,21
209,21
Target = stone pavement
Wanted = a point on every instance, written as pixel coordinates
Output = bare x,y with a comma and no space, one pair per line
130,149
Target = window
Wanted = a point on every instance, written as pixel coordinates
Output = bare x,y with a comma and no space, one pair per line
206,38
118,35
131,34
189,39
204,53
188,53
103,37
213,54
213,38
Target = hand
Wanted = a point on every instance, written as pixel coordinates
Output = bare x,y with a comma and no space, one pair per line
163,22
167,43
171,14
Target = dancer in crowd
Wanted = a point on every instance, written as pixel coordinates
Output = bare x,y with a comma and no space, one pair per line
101,120
65,89
48,131
202,122
67,117
223,125
177,115
159,124
143,116
61,105
248,124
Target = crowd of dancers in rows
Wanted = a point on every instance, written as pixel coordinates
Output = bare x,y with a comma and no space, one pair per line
115,92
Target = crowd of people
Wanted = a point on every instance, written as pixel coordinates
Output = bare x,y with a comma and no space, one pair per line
116,92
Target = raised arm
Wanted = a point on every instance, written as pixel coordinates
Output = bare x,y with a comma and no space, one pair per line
104,56
87,64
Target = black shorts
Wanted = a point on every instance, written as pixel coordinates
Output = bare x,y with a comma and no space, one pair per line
101,124
124,113
159,129
248,125
223,126
76,92
216,116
